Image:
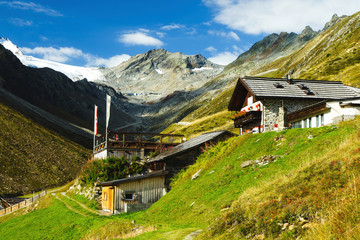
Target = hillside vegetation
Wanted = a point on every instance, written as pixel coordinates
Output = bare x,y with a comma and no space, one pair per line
304,183
32,158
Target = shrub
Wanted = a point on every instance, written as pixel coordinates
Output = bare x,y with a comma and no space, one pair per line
109,169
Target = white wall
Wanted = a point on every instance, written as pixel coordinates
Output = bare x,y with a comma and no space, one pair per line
334,115
101,155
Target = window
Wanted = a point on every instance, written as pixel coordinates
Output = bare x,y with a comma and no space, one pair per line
322,120
310,125
129,196
297,124
278,85
318,121
303,86
305,123
308,92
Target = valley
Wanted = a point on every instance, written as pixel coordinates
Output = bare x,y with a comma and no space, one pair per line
308,190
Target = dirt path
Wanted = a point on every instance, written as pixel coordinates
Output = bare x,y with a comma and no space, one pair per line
69,207
81,205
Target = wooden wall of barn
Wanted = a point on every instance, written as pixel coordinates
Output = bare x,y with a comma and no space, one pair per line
149,190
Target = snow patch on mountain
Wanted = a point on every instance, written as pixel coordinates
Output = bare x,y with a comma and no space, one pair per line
159,71
75,73
201,69
10,46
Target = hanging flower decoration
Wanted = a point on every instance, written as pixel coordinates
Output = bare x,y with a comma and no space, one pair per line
239,115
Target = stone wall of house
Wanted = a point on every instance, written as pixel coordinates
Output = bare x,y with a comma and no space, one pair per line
272,106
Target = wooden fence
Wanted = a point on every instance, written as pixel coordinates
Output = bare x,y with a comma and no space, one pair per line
22,204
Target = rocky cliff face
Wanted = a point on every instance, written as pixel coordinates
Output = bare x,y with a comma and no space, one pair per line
158,73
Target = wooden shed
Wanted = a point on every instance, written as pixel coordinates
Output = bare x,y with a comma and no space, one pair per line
133,193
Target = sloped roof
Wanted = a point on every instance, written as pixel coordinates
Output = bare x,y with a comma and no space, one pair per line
263,88
134,178
188,145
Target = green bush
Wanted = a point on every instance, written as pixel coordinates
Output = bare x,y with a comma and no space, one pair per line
109,169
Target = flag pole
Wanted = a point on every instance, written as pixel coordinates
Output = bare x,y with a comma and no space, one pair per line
108,103
95,125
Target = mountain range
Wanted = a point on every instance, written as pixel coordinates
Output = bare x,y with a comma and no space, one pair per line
150,91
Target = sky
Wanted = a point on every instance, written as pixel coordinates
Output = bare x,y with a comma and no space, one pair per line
105,33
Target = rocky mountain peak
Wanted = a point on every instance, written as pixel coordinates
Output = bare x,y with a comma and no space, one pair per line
334,20
151,75
307,34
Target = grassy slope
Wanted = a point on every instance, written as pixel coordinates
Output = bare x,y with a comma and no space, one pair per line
32,158
58,217
317,171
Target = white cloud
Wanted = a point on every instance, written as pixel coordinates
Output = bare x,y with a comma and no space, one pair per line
111,62
140,38
20,22
223,58
268,16
234,36
226,57
66,54
160,34
172,26
31,6
230,35
211,49
62,54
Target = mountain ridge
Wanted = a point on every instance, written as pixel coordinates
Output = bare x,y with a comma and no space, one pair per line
158,73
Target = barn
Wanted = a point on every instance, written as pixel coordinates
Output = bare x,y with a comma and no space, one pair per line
133,193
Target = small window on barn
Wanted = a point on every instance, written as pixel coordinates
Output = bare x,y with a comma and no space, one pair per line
278,85
129,196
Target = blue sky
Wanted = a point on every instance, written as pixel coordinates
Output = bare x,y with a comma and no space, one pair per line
104,33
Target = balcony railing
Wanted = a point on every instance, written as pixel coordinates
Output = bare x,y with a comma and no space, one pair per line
249,117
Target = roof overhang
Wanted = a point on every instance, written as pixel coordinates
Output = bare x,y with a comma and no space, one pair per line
316,108
132,179
239,95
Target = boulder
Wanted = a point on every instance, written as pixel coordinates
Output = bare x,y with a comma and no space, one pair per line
247,163
196,175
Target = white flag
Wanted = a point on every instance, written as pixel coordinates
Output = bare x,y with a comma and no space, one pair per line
108,103
96,120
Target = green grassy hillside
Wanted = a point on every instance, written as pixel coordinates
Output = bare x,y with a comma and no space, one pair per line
33,158
309,189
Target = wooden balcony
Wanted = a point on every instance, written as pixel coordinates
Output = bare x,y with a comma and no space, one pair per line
134,141
249,117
